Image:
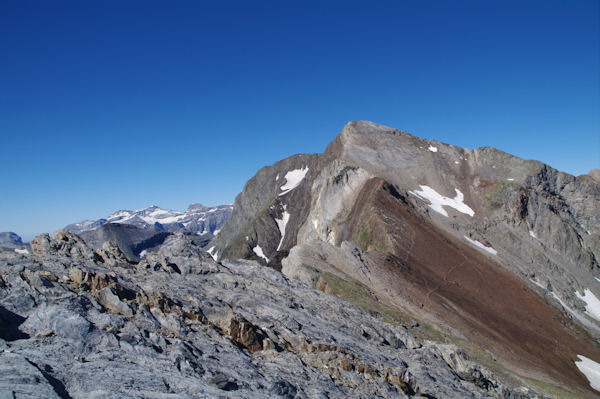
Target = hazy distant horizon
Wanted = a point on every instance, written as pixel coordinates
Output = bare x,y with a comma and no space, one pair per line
111,105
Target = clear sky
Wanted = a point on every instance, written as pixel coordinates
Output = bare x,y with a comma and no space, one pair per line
108,105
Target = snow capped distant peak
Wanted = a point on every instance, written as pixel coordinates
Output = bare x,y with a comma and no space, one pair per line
197,218
160,211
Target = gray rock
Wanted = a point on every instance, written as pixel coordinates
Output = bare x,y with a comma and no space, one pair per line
107,298
63,244
23,379
231,329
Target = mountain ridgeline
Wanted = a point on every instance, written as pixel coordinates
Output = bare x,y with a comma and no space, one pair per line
486,247
198,219
388,266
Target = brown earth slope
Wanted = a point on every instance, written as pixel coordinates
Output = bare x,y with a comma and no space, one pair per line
410,259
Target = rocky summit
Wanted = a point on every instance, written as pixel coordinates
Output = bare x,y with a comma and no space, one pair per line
389,266
487,249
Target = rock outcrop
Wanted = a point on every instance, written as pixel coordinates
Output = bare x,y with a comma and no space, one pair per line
77,323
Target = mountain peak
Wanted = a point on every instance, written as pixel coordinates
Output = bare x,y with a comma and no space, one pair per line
449,235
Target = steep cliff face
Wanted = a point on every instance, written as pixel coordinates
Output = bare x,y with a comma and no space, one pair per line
483,245
269,212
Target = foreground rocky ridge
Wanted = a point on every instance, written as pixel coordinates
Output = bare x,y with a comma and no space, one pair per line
489,248
79,323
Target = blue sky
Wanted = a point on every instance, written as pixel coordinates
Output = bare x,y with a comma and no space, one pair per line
108,105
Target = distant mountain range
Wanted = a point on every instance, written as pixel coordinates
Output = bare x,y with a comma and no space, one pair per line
197,219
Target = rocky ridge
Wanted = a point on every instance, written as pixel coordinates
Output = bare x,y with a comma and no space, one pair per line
456,238
80,323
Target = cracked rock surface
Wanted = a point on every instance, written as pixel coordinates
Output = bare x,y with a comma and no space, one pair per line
76,323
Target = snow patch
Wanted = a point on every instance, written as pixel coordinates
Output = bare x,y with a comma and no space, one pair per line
534,281
438,201
598,279
531,233
575,314
259,252
432,148
592,307
281,223
142,254
590,369
23,251
119,215
165,220
216,232
85,223
292,179
510,179
277,177
215,255
456,162
159,211
480,245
